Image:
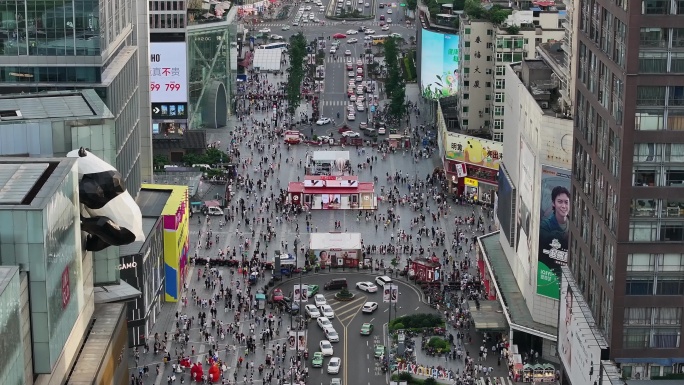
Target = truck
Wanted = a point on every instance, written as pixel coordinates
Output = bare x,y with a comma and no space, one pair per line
284,262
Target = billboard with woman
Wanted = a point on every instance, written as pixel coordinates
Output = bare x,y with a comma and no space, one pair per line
553,229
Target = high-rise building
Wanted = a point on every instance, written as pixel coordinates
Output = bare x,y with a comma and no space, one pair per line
80,44
626,228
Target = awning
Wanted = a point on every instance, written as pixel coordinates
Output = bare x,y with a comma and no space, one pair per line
489,317
115,293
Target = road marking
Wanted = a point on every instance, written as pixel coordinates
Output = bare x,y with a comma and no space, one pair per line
349,303
418,308
371,321
345,363
385,311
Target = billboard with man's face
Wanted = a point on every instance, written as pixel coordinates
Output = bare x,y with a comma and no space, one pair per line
553,229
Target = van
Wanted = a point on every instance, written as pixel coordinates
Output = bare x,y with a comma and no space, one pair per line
383,280
336,284
213,210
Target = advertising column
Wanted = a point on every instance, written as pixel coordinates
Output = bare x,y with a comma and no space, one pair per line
169,87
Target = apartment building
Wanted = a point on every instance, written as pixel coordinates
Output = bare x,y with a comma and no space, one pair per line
486,48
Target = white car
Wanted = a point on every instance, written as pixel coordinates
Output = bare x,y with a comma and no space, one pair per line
351,117
369,307
352,41
397,35
367,4
322,122
389,10
295,23
276,37
385,28
333,49
382,131
359,78
265,30
389,20
369,32
334,365
347,53
331,335
323,322
319,299
326,347
285,28
351,74
348,3
312,311
327,311
352,98
368,287
359,70
351,134
352,32
350,60
383,280
360,98
308,8
360,107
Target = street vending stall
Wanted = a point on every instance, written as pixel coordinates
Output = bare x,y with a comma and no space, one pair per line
336,249
327,192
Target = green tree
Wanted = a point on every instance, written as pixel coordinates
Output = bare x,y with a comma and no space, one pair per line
297,55
160,161
474,9
459,5
429,381
395,85
411,4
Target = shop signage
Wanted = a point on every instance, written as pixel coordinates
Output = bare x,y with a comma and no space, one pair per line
427,371
470,182
66,288
461,170
126,266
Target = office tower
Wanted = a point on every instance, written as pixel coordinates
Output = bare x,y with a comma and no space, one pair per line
626,227
79,44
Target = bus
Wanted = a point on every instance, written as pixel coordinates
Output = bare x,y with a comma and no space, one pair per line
275,45
379,39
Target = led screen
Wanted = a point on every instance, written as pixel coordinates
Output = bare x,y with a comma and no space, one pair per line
439,64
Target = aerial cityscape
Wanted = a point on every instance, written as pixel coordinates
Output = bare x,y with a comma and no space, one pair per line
315,192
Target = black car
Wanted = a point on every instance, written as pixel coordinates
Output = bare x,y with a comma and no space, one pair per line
288,306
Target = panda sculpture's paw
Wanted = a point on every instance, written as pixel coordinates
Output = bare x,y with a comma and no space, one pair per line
104,232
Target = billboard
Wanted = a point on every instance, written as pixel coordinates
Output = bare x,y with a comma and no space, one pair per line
168,72
472,150
296,340
390,293
301,293
524,206
439,64
553,229
578,347
505,205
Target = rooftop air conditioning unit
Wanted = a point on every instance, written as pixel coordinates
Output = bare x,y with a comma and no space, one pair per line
544,104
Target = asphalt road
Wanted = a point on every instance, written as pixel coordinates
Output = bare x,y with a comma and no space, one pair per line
356,351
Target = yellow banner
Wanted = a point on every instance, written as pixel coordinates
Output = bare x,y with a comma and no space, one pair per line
470,182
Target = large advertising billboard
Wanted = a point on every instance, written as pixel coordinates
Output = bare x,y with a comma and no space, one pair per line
505,205
439,64
553,229
526,194
578,347
168,72
472,150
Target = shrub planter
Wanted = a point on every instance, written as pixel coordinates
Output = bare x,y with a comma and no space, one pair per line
344,295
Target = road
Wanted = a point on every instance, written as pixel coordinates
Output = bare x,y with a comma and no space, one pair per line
356,351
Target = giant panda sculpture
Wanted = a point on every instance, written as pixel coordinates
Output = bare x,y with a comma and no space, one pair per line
109,214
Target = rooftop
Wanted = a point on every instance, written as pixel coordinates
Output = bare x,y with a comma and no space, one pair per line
148,224
541,83
186,178
52,105
31,181
514,302
152,202
208,11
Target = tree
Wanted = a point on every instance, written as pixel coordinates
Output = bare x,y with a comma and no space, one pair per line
411,4
429,381
297,54
459,5
395,86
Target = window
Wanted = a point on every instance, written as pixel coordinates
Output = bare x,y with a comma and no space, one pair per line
645,176
670,286
665,338
639,285
674,176
500,84
465,123
676,96
641,262
467,31
653,37
637,316
466,96
653,62
655,7
671,231
499,97
643,231
672,263
498,110
501,70
636,338
647,152
498,124
650,120
650,96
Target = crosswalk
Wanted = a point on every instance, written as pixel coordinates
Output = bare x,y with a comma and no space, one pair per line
341,59
494,381
335,103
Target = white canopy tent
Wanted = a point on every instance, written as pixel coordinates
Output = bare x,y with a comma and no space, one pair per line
267,60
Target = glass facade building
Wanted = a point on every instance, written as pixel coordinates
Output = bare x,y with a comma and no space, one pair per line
11,345
210,74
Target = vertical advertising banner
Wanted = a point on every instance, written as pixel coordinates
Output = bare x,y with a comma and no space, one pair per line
386,294
296,340
168,73
301,293
394,293
553,229
439,64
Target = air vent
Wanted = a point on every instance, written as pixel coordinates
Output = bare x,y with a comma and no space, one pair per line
10,115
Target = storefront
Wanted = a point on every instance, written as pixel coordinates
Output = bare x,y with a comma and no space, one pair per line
424,270
471,165
175,216
325,192
142,267
336,249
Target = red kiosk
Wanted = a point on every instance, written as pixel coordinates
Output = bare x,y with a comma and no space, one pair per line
425,270
327,192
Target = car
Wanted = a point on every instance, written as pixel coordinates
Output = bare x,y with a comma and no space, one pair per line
369,32
350,60
295,23
352,32
360,107
381,6
319,300
348,3
366,329
385,28
336,381
352,41
339,36
265,30
331,334
359,70
277,295
312,18
363,125
312,311
371,132
369,307
389,20
334,365
360,98
368,287
323,322
288,306
350,108
326,347
351,116
351,74
351,134
285,28
395,35
389,10
327,311
311,290
323,121
383,280
359,63
347,52
352,98
382,17
343,129
367,38
367,5
379,351
359,9
359,91
325,139
382,131
333,49
307,8
276,37
359,78
317,360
